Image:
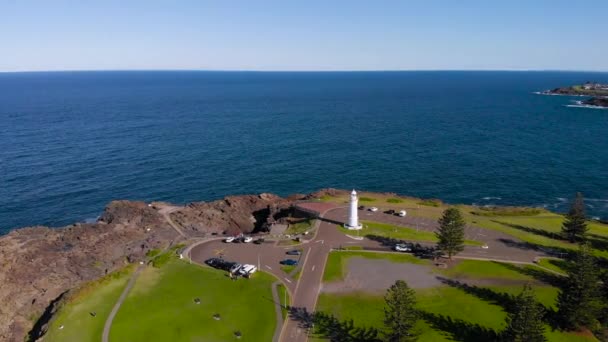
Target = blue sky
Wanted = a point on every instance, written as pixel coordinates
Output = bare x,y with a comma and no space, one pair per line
303,35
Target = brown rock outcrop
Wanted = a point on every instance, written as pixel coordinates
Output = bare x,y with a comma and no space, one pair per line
232,215
39,264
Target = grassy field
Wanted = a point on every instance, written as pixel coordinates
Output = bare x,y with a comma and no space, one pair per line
371,228
451,312
161,306
337,262
99,297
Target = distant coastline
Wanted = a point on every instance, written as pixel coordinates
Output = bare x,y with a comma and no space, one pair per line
597,92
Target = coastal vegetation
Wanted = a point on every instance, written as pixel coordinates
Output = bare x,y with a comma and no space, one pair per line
83,314
450,235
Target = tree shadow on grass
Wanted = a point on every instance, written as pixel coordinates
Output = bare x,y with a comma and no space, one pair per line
328,326
538,274
596,241
459,329
501,299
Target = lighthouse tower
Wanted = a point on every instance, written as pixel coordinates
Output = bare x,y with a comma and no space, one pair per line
353,216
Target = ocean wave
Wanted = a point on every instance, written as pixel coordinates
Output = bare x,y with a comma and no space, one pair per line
596,199
491,198
562,199
585,106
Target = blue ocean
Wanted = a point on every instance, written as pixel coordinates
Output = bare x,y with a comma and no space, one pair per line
70,142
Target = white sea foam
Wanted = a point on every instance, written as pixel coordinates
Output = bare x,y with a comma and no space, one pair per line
491,198
91,219
585,106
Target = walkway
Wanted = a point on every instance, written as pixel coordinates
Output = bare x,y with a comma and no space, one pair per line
106,328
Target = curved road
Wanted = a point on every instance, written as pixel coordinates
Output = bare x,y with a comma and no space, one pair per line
305,291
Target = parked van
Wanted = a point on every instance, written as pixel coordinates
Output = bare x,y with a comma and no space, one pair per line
247,270
402,213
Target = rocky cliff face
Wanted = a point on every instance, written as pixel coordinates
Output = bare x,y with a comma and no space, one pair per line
233,215
39,264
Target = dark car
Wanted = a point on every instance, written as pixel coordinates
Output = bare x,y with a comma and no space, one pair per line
361,207
390,212
259,241
293,252
289,262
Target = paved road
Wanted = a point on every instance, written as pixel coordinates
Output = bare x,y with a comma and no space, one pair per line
305,291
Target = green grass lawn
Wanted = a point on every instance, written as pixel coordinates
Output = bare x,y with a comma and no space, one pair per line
450,312
300,227
161,306
556,265
337,262
98,297
398,232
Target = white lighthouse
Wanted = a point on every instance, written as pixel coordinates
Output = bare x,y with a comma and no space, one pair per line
353,216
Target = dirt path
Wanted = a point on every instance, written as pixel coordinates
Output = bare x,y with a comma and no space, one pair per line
106,328
166,212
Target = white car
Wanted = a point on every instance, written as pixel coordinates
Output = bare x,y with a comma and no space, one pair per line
229,239
374,209
485,247
402,248
402,213
247,239
235,268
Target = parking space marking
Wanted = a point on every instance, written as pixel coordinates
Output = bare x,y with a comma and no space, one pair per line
289,281
270,268
313,268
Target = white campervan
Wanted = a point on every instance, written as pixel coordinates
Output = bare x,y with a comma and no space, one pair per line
247,270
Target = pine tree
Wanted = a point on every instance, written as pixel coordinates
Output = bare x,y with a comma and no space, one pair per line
525,322
579,302
575,226
451,232
400,314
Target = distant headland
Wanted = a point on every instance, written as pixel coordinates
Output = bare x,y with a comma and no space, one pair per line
597,91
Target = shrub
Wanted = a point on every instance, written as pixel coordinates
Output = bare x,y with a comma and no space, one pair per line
394,200
431,202
506,211
366,199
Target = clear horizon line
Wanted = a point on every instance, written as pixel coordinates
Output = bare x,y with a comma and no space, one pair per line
297,71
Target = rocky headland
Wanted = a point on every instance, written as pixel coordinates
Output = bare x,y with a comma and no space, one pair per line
597,92
41,265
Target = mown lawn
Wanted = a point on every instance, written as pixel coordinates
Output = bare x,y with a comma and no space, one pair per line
337,262
451,312
371,228
75,317
161,306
